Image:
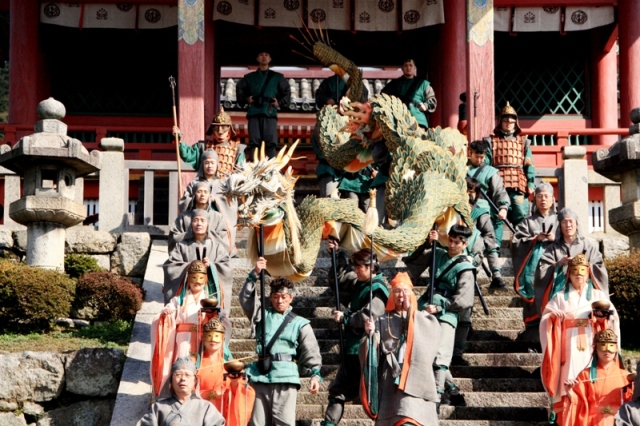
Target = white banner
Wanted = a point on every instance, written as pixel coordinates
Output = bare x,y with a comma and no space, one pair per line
333,15
119,15
157,16
421,13
586,18
529,19
65,14
280,13
109,16
240,12
501,19
374,15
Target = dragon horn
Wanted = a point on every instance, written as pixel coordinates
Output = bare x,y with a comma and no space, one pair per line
281,153
287,157
262,151
255,156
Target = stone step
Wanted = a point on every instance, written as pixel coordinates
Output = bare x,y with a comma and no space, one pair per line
366,422
488,406
466,385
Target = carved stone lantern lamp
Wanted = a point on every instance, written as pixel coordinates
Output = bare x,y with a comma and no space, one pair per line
50,162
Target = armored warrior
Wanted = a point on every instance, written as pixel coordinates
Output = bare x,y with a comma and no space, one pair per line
511,155
230,152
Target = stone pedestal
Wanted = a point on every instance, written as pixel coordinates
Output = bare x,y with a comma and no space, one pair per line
575,182
621,163
113,215
45,245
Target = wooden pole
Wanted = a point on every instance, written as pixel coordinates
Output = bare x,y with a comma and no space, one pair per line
172,83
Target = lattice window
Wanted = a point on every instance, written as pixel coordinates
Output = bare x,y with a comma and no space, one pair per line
550,140
542,88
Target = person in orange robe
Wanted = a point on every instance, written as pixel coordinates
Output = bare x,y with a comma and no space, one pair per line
595,396
568,324
238,397
211,363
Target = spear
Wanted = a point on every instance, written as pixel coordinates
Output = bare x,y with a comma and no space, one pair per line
172,83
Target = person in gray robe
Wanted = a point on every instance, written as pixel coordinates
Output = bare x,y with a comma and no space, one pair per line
227,207
200,246
407,342
568,243
217,225
184,407
629,413
533,235
294,352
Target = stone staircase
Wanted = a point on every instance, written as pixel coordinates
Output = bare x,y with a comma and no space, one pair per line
501,384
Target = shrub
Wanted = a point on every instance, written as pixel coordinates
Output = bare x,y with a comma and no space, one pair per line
32,298
110,296
624,283
78,264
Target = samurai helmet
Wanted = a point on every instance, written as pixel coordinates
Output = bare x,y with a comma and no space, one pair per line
509,112
221,119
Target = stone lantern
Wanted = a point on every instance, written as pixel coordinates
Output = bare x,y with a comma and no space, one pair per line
50,162
621,163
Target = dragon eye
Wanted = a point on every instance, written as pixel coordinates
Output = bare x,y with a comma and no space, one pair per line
266,177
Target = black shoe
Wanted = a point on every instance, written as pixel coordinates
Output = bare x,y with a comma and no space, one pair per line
459,361
438,408
497,283
444,399
457,400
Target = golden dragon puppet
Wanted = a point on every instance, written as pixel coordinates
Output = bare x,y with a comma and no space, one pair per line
426,183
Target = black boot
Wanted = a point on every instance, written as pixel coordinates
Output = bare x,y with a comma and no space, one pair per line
457,400
497,283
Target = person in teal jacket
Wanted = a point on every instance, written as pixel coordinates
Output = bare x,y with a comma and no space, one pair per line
294,352
454,290
265,91
415,92
353,279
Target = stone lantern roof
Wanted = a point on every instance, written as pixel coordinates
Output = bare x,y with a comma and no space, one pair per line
50,144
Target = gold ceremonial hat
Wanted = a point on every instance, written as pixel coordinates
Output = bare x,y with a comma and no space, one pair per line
214,325
508,110
579,260
606,336
197,267
221,119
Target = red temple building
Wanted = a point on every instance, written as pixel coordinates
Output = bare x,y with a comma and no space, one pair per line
571,68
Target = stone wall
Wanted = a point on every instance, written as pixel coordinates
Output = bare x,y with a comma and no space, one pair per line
124,254
47,389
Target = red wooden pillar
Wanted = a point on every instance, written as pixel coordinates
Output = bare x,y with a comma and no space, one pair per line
480,73
605,97
191,71
453,66
211,68
629,33
25,62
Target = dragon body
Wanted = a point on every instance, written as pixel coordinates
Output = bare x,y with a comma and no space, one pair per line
426,182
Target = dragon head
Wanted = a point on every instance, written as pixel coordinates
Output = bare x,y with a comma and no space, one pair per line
261,188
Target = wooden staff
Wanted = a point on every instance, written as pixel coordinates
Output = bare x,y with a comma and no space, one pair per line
172,83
